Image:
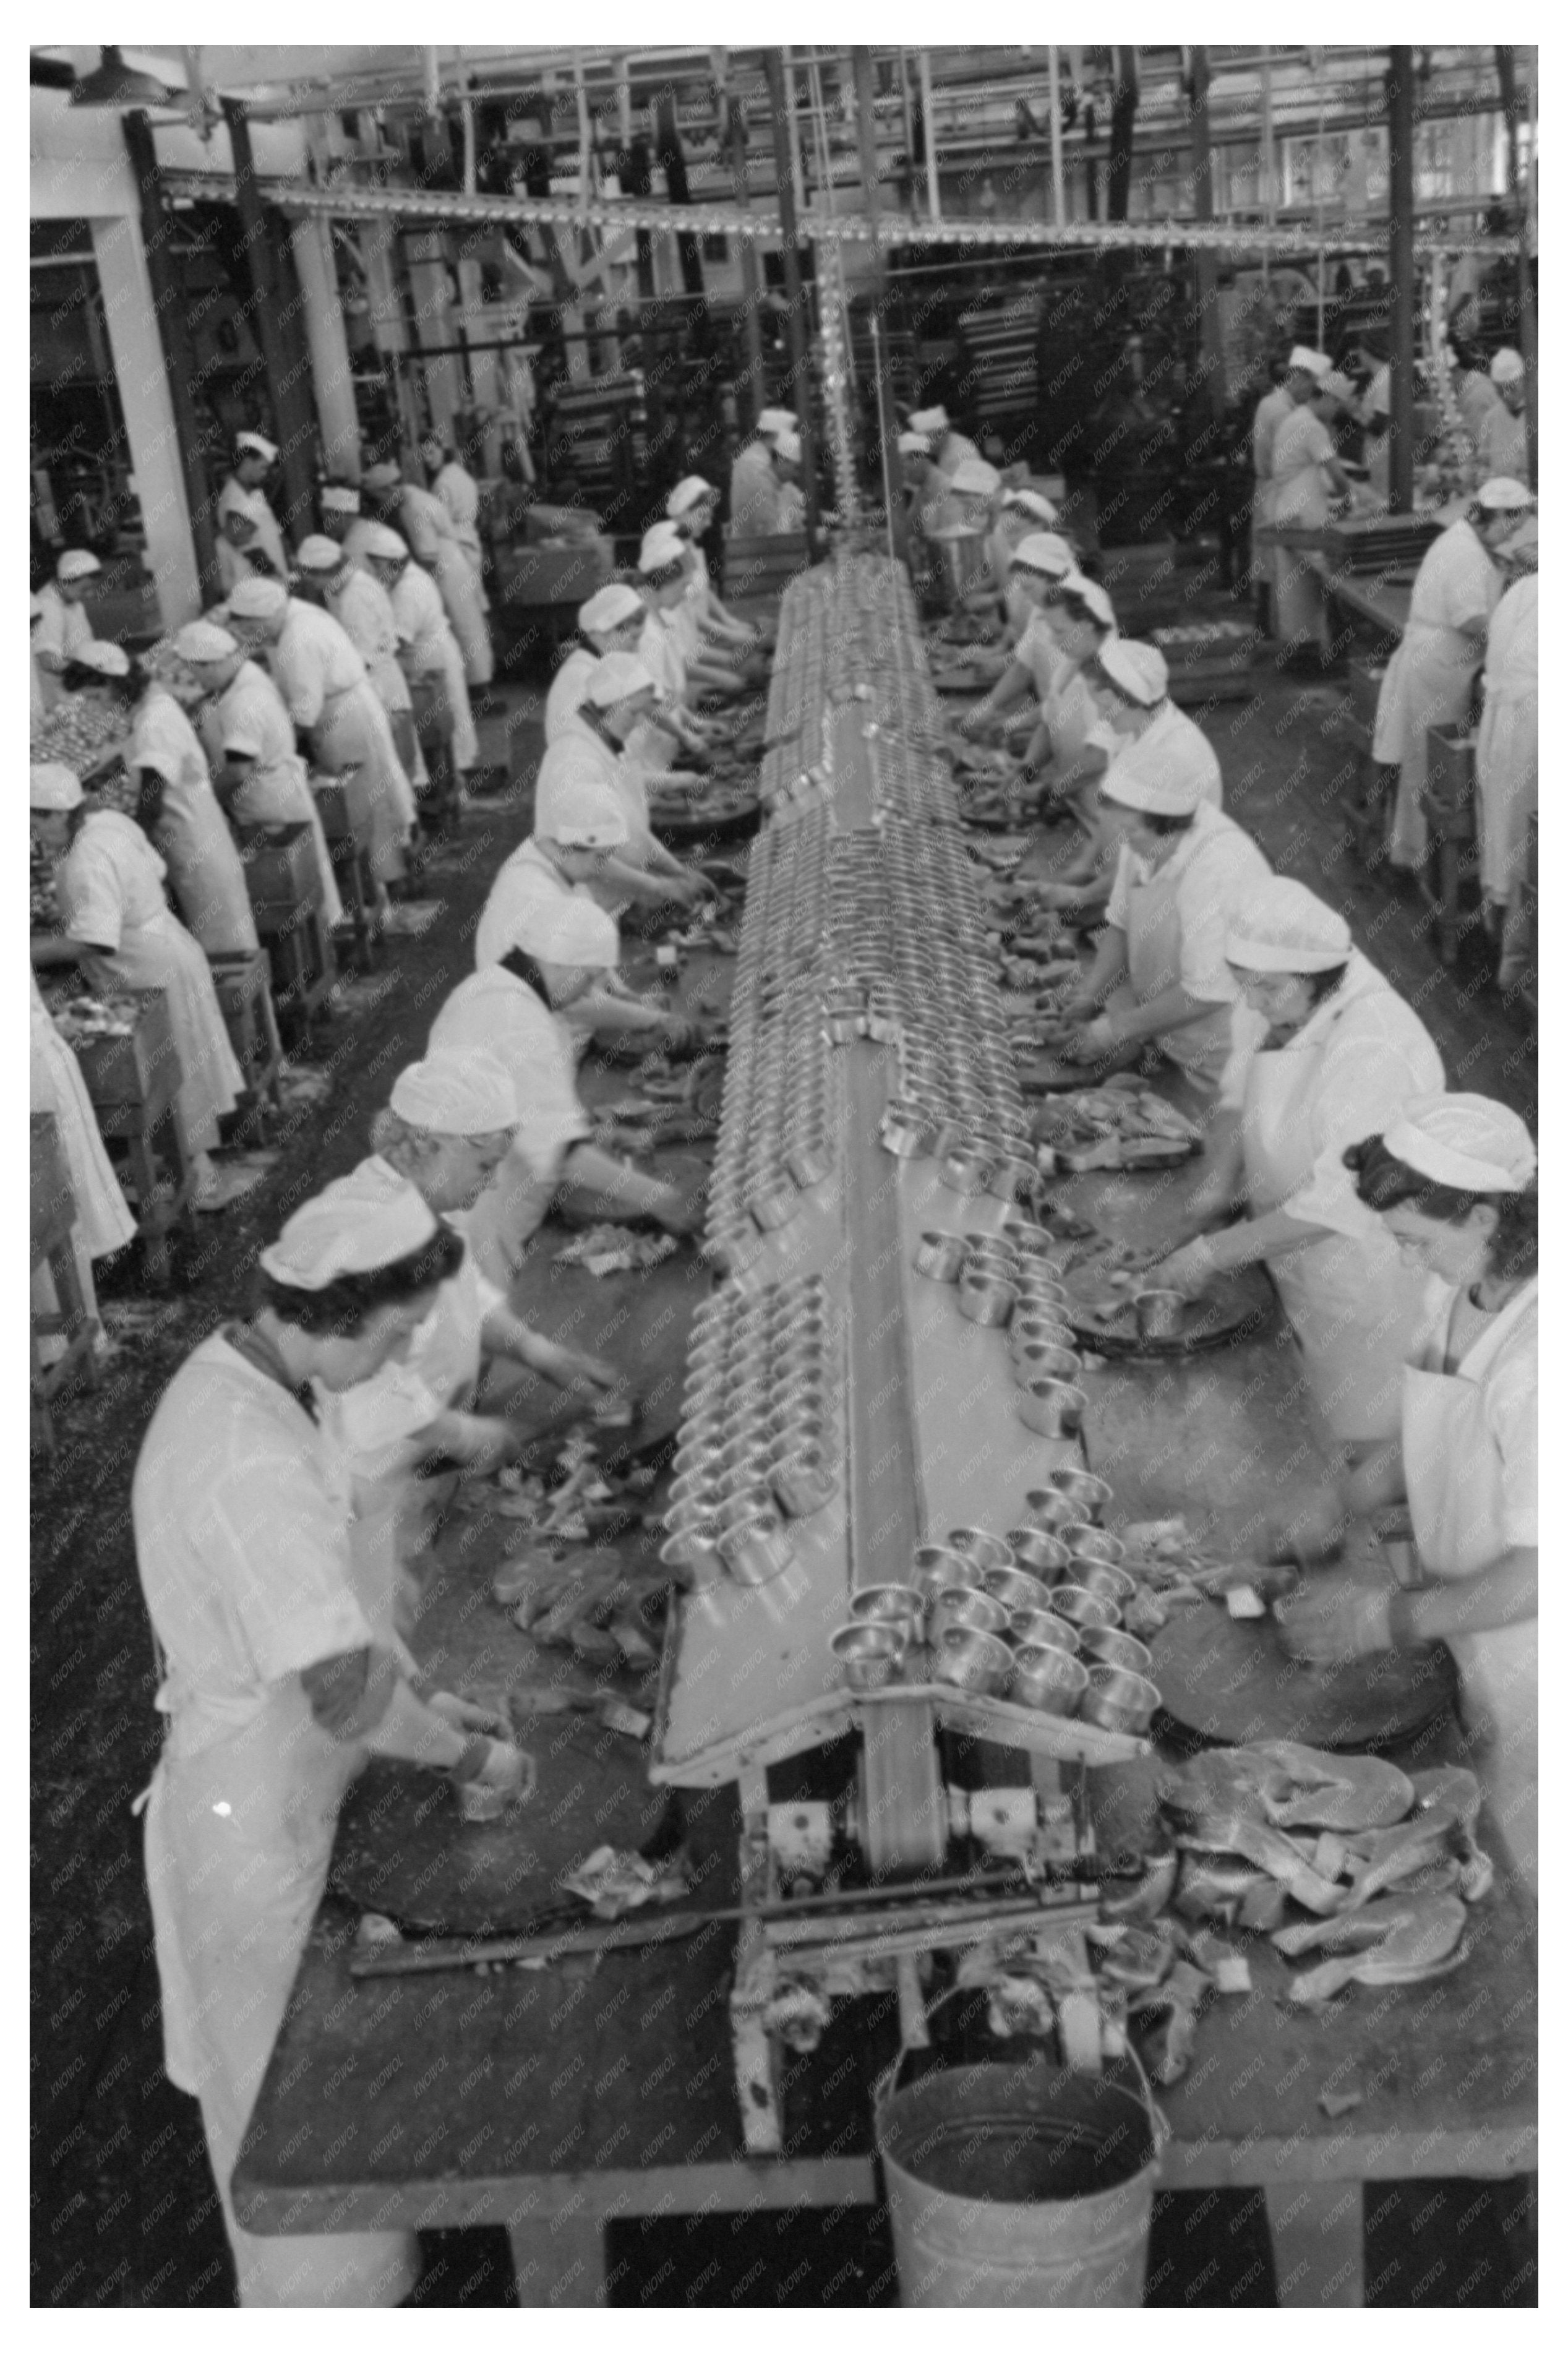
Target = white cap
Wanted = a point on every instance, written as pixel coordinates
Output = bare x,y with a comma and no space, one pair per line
775,420
468,1093
76,564
1091,593
259,600
1139,670
1524,539
568,930
1468,1142
928,420
1503,495
258,443
1333,385
1047,551
386,476
662,548
35,608
615,678
973,478
914,445
687,495
339,498
53,788
1031,502
1506,367
204,641
608,606
1312,363
786,445
585,820
1175,787
107,659
1285,927
387,546
318,553
1379,391
368,1219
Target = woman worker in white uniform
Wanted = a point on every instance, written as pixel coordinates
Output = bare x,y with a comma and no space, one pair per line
177,807
1453,1179
1307,480
592,757
424,523
1160,972
428,651
116,925
64,628
1042,564
692,507
328,575
254,459
1432,676
274,1686
1507,746
1324,1048
611,621
562,949
1301,371
661,570
103,1223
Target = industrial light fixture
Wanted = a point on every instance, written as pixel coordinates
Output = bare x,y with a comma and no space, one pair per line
114,83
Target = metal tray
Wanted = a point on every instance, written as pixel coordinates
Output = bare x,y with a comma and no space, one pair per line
1225,1680
1239,1306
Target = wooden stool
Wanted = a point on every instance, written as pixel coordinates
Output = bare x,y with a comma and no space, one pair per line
1449,803
245,997
344,801
285,886
133,1084
435,727
52,1217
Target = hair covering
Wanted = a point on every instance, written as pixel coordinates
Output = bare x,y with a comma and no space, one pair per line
775,420
204,641
259,600
468,1093
387,546
1506,367
257,444
1285,927
1504,495
76,564
786,445
914,445
1174,786
1465,1141
1310,362
662,547
53,788
1047,551
1524,540
386,476
339,498
568,930
35,608
928,420
1138,669
368,1219
1091,593
615,677
687,495
608,606
593,821
1335,386
1031,502
973,478
105,657
319,553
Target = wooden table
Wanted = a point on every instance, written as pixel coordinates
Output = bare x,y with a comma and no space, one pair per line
1379,601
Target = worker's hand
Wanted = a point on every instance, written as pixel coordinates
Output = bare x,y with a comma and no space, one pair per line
468,1715
1313,1528
676,1034
1332,1618
1056,896
483,1443
589,1377
678,1216
1092,1041
1189,1270
690,888
506,1767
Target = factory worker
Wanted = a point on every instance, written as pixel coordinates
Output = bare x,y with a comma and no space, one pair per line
37,700
1160,971
274,1686
931,506
340,510
1020,513
1071,746
562,953
667,566
241,551
1508,749
254,459
328,575
973,488
662,572
1302,369
589,767
1453,1178
692,507
1430,680
1307,480
330,699
116,925
176,805
1322,1051
948,449
450,1123
102,1224
1502,444
1377,403
1473,391
459,493
753,480
1042,563
257,773
611,621
426,525
428,649
63,626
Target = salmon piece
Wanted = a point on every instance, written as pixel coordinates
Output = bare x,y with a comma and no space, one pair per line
1419,1938
1269,1849
1334,1793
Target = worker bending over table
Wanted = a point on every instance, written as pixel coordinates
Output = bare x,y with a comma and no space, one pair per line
949,448
1454,1179
254,457
274,1686
63,626
1019,514
1323,1049
663,644
755,479
591,768
692,507
1508,749
610,622
1042,565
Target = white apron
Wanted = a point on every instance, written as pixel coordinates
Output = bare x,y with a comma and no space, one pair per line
1201,1048
161,954
429,533
1300,499
1428,683
1453,1477
1507,746
353,731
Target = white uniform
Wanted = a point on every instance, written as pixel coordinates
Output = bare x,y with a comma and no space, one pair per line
362,610
956,448
1172,738
1040,652
659,648
460,495
1471,1447
754,493
1177,918
568,689
584,776
1299,494
249,716
233,499
1270,415
495,1009
192,832
323,684
525,883
62,632
103,1223
427,528
242,1542
1508,756
1428,682
431,652
1354,1304
1503,447
110,885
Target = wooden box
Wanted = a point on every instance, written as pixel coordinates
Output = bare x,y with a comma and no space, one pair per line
1450,791
282,874
564,574
137,1068
347,805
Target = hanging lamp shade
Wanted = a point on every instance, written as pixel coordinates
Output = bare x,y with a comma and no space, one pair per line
114,83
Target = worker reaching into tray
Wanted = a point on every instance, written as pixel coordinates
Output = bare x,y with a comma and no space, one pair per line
274,1687
610,621
1322,1049
692,507
1041,567
1453,1178
592,766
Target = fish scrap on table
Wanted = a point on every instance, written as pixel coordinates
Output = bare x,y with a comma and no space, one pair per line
617,1249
